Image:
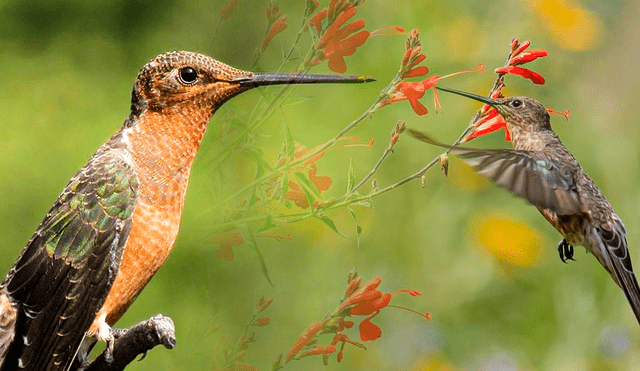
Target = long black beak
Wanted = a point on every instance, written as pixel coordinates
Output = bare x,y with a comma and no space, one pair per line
480,98
260,79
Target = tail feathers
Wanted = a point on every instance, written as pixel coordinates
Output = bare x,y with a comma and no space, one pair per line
615,244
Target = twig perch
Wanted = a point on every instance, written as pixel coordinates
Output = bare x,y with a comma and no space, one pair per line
136,340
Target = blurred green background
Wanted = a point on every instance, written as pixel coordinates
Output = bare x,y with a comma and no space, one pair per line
486,263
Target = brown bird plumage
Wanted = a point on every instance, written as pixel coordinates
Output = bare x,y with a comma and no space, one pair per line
541,170
116,221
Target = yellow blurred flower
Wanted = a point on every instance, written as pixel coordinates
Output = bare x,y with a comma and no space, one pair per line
434,362
572,26
508,240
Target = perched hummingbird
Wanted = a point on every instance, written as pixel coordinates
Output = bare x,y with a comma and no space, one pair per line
117,219
541,170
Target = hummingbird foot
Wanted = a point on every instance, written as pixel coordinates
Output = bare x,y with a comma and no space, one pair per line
565,250
114,334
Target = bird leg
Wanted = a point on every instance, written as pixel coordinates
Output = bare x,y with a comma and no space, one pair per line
565,250
114,334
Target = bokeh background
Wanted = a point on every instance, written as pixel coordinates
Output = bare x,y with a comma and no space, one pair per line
486,263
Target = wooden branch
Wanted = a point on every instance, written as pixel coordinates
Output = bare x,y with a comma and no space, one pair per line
136,340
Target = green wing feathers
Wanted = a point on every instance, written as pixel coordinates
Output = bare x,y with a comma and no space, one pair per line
66,270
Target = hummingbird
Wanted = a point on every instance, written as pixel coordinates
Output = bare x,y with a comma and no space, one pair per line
117,219
541,170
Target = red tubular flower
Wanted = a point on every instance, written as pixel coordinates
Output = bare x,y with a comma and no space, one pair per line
320,349
367,307
260,322
518,48
304,338
491,121
527,57
528,74
273,11
369,331
311,5
414,91
564,114
228,9
353,285
278,26
317,19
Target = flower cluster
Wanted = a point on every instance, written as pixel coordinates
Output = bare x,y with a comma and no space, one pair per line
520,55
308,185
276,23
414,91
359,300
230,352
339,39
490,120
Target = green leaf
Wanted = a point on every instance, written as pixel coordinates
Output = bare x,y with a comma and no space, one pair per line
294,101
290,146
266,95
328,221
284,184
304,181
267,225
263,265
351,178
358,227
256,156
239,124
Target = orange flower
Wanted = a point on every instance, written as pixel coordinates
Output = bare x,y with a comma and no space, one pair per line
228,9
359,299
336,43
527,74
369,331
366,300
564,114
527,57
414,91
304,338
273,11
297,195
263,304
413,57
519,56
320,349
260,322
227,241
316,20
278,26
490,120
488,123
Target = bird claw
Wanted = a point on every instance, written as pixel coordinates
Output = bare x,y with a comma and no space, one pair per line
111,342
565,250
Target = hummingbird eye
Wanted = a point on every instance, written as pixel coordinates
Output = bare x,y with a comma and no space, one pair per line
188,75
516,103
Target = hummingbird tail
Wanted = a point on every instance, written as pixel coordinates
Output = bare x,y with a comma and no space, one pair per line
615,244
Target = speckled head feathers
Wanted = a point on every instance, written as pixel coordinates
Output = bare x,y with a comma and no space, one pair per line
184,77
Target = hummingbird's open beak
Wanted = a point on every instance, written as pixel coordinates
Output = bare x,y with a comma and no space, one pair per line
480,98
260,79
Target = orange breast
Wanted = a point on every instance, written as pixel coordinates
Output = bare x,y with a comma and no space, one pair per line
162,149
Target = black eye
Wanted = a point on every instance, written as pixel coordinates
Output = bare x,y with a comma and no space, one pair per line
188,75
516,103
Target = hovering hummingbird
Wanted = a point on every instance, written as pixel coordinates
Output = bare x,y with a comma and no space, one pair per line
541,170
117,219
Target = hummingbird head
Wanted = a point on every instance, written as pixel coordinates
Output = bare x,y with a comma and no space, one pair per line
185,82
523,113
